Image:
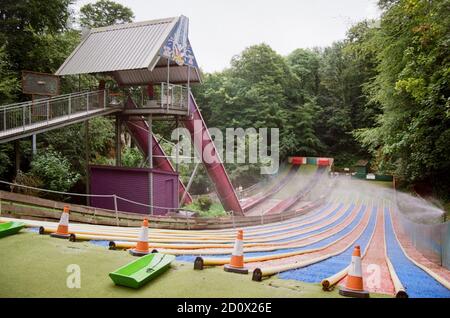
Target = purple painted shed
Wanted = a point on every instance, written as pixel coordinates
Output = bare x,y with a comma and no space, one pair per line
133,184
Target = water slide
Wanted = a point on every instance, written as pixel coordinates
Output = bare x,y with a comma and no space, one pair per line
257,199
291,201
139,130
215,170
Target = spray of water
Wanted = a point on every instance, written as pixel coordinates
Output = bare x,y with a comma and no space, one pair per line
414,208
345,189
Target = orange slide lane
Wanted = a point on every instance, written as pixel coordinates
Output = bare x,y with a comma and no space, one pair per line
377,278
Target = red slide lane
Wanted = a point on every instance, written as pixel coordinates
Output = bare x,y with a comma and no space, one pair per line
377,278
139,131
216,170
263,196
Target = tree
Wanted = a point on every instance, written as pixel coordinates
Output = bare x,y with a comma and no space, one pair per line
22,22
305,65
9,84
412,136
104,13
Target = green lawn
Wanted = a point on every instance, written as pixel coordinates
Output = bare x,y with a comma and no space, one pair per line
33,265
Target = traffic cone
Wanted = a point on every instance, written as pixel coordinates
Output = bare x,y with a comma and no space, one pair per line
142,245
237,258
63,227
354,286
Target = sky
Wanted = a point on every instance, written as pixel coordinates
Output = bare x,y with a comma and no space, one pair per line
221,29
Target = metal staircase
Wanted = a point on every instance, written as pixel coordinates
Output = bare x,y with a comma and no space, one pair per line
25,119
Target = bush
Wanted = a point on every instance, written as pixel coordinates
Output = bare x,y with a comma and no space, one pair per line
132,157
54,170
204,203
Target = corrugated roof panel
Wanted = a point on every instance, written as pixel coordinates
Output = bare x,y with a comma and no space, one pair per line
119,47
178,74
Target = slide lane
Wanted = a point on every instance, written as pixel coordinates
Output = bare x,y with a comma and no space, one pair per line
317,272
295,177
213,165
310,236
155,235
209,248
417,282
338,245
376,273
254,201
341,239
323,241
293,200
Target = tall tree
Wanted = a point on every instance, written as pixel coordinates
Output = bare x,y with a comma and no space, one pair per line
22,22
104,13
412,137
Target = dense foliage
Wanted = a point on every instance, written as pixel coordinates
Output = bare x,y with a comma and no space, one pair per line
53,170
103,13
412,136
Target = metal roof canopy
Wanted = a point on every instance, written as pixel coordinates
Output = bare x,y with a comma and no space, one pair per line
130,52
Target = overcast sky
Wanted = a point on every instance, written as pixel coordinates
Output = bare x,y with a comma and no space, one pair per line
220,29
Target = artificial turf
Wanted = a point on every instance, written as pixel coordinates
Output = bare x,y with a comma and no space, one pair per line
33,265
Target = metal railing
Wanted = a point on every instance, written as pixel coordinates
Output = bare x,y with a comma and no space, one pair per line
431,240
174,96
27,115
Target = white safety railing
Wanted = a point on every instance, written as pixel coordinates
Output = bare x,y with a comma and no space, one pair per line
174,96
22,116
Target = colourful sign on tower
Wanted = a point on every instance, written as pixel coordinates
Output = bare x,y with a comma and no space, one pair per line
178,48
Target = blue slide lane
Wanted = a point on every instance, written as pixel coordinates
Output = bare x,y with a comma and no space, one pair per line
331,225
324,242
315,273
299,219
417,282
301,226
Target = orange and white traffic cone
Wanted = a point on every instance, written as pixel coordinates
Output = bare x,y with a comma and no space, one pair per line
237,258
354,286
142,245
63,227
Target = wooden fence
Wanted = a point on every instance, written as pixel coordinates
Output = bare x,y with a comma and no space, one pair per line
29,207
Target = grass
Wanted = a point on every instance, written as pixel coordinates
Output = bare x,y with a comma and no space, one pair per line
33,265
382,184
447,211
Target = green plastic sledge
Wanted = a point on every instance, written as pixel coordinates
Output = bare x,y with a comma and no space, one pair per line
10,228
142,270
